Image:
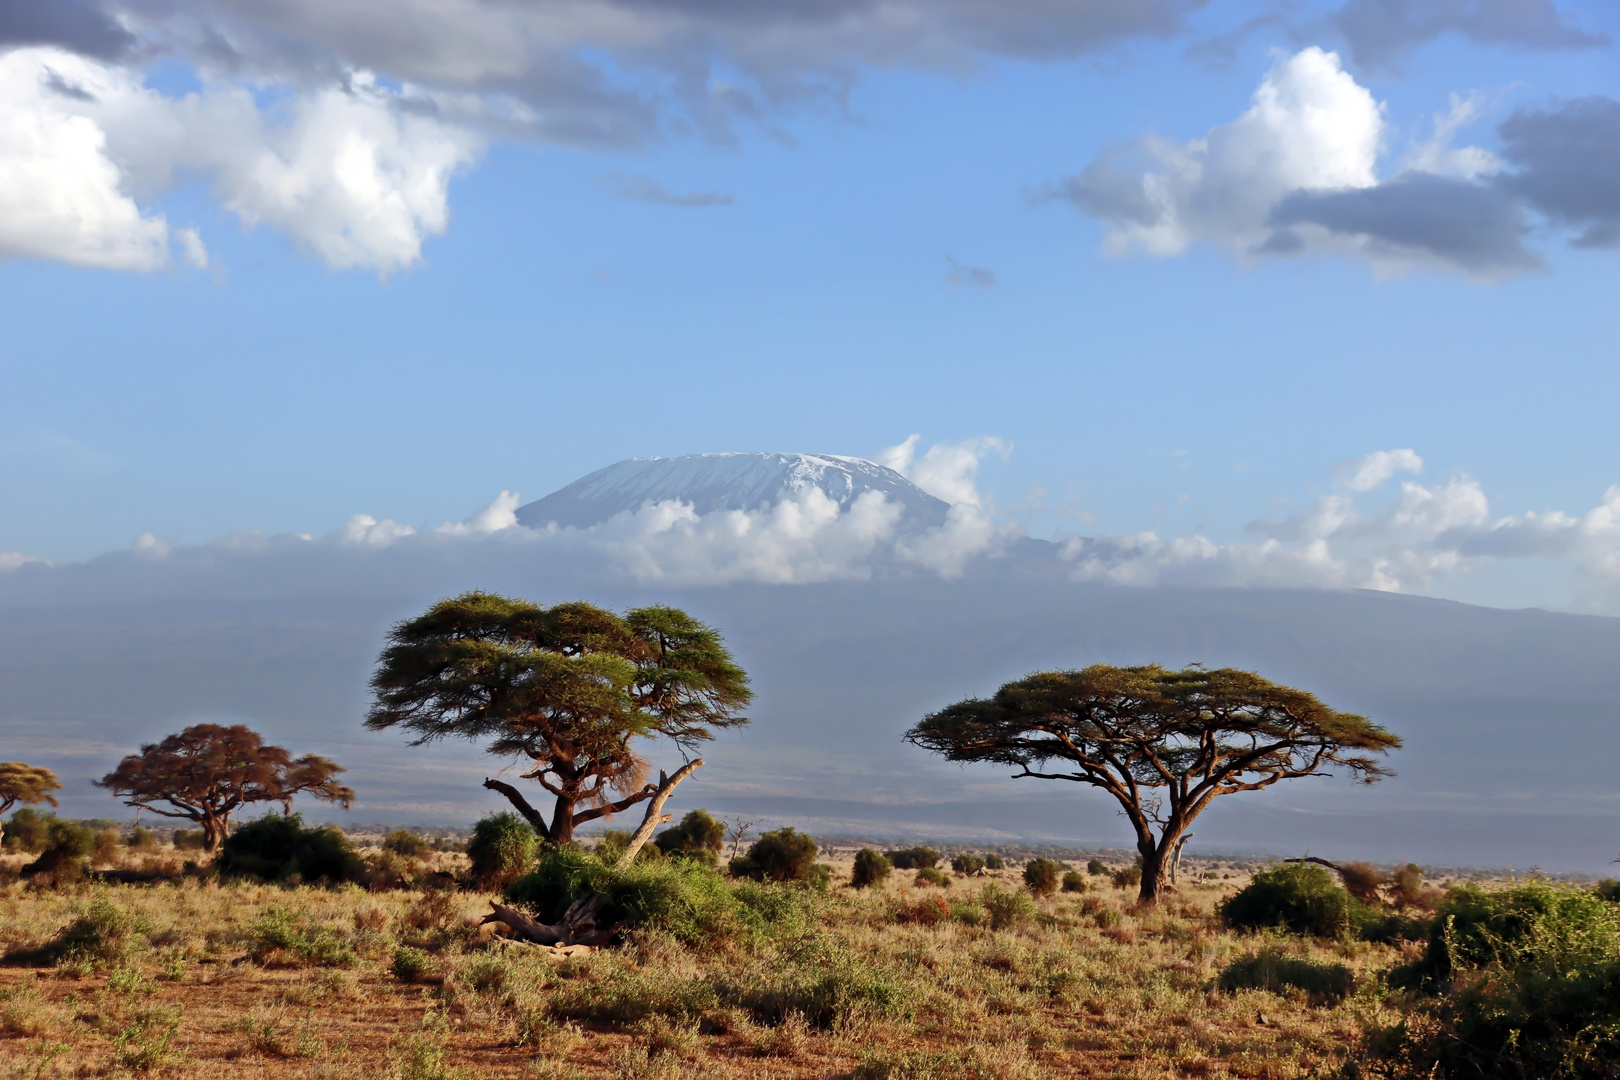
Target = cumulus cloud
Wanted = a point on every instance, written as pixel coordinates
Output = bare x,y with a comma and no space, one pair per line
948,471
348,171
1298,172
1419,535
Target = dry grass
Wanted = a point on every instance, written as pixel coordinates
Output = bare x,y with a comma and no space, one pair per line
1087,986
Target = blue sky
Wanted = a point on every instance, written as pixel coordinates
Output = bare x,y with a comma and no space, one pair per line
852,271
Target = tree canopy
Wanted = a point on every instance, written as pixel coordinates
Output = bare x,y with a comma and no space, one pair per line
20,783
1163,743
567,687
209,771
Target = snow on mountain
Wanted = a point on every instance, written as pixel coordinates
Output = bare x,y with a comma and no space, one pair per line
747,482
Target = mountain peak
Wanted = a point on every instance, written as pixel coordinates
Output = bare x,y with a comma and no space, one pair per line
734,481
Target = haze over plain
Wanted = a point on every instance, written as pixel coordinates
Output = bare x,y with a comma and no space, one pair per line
1209,315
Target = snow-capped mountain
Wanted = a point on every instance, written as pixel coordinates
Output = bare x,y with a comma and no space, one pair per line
710,482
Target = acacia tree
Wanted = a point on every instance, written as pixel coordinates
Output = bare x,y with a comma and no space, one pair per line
30,784
209,771
566,689
1163,743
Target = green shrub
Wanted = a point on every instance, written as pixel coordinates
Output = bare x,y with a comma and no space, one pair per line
1007,909
782,910
100,935
407,844
871,868
1096,867
1607,889
1272,970
1523,981
698,835
189,840
502,848
967,863
823,982
1042,876
913,858
780,855
1534,922
932,875
1298,897
67,844
141,839
1128,878
684,898
1074,881
410,964
279,847
29,830
992,861
282,936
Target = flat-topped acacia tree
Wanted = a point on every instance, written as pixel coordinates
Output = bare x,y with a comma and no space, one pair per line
1163,743
208,772
567,689
30,784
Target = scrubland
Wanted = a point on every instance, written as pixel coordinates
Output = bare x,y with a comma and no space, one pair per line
199,977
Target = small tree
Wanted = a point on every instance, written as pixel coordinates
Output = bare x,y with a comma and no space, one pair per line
871,868
699,835
784,854
1043,876
208,772
565,689
30,784
1162,743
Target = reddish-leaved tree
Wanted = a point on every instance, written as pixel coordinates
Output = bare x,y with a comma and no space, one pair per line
209,771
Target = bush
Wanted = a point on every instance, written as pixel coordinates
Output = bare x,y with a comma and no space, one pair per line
1363,882
927,912
410,964
281,935
102,935
1406,889
913,858
993,861
968,864
67,844
1042,876
189,840
141,839
1128,878
502,848
780,855
871,868
682,897
29,830
1298,897
1270,970
1096,868
1007,909
1607,889
932,875
279,847
1074,881
406,844
1526,983
698,835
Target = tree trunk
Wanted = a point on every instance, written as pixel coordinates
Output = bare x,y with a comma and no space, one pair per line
212,829
1152,869
654,816
562,821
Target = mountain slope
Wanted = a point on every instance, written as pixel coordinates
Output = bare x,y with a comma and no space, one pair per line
711,482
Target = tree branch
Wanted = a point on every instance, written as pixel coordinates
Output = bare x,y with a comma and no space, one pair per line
515,797
654,816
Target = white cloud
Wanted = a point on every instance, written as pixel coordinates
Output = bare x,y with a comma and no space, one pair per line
946,471
1371,470
356,173
11,560
499,514
61,195
1297,172
1422,534
1309,127
367,530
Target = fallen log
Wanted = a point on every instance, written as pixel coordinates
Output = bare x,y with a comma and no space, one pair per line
576,927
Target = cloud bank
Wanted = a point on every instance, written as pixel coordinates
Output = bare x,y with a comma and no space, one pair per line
1419,536
1298,172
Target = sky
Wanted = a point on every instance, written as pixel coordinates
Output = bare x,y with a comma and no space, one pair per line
1299,294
